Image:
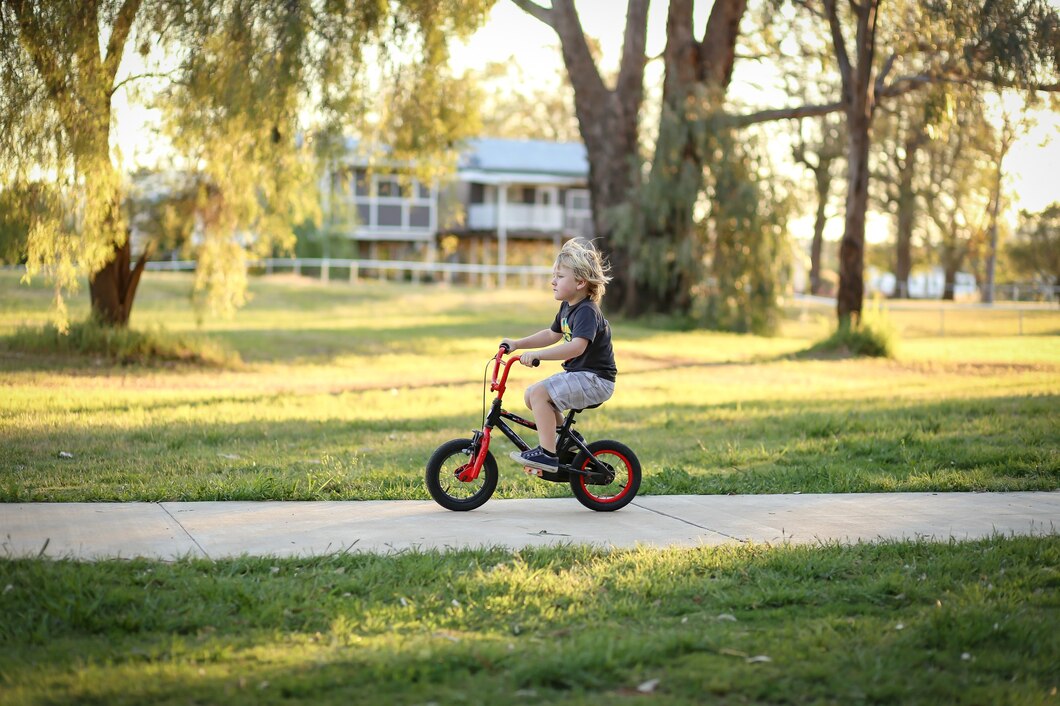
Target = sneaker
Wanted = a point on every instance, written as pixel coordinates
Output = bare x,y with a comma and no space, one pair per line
536,458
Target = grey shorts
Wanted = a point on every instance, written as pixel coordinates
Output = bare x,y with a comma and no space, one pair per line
578,390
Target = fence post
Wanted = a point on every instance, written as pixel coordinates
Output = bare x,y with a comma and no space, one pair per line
298,267
354,275
1021,321
325,270
942,321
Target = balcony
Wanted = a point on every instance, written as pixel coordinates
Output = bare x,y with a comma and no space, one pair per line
517,216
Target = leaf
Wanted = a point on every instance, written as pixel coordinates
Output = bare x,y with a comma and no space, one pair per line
759,658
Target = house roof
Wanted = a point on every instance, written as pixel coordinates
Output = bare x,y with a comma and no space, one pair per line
492,160
490,154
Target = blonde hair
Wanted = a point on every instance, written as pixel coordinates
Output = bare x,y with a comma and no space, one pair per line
586,264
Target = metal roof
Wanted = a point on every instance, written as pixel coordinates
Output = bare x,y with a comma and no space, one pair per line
490,154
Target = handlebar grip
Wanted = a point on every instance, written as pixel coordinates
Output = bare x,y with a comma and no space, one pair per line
506,348
537,363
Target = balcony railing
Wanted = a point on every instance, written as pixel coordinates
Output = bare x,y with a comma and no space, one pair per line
485,216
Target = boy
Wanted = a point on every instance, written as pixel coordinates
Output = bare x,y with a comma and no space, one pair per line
588,378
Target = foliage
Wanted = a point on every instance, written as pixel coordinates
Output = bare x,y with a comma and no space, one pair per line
250,94
1035,252
516,105
750,251
122,346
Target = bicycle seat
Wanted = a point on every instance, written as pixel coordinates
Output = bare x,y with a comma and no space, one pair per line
592,406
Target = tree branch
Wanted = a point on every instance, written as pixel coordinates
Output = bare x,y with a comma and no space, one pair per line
130,79
544,14
804,4
765,116
119,34
631,68
839,44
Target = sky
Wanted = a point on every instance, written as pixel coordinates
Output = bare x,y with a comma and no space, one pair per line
511,34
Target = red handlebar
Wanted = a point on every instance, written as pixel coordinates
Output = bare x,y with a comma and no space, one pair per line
498,386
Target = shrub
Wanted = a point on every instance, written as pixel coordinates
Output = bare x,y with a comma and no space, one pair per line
123,346
872,337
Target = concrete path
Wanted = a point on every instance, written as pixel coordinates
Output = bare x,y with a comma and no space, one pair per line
217,530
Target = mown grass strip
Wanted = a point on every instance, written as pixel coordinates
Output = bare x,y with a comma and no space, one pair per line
902,623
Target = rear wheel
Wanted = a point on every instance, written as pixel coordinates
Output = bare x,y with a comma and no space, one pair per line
621,490
446,463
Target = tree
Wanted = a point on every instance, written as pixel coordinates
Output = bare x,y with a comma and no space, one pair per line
958,189
237,79
1007,43
821,155
1035,251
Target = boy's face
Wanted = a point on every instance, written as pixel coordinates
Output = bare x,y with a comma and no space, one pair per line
565,286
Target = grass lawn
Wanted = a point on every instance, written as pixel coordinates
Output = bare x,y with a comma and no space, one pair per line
345,391
893,623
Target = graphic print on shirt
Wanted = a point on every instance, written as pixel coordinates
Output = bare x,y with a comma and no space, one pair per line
567,333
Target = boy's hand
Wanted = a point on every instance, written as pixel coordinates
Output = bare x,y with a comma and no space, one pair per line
530,359
510,343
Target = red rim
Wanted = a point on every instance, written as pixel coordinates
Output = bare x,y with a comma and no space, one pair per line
625,489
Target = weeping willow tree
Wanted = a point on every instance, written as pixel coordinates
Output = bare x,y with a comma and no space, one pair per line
249,90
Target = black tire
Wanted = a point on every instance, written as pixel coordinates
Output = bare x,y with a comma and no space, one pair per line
452,493
617,494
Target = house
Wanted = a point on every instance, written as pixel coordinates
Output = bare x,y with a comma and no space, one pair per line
510,202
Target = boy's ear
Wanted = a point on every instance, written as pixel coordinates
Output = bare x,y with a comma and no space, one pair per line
581,283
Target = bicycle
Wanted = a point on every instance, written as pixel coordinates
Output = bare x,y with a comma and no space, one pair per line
462,474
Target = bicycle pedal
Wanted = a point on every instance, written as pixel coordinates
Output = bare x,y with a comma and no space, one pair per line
532,471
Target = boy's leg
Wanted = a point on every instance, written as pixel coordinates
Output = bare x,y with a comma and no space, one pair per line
546,416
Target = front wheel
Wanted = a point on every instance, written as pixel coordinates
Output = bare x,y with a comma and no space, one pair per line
446,463
620,491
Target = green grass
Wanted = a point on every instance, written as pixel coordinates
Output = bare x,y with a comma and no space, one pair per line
345,391
892,623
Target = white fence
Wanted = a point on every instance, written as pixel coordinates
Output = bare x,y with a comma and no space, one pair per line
327,268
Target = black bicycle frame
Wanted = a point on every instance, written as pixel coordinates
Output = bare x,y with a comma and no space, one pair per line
495,420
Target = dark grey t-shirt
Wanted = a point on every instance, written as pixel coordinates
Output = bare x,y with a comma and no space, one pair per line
585,320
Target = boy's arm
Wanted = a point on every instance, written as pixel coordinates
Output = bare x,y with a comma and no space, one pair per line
544,337
565,351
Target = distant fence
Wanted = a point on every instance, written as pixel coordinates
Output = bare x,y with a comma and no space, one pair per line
330,269
933,317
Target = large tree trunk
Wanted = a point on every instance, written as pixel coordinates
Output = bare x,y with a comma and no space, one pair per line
859,105
113,288
697,75
852,247
608,121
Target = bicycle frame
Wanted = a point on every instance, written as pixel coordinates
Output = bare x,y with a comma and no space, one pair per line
496,417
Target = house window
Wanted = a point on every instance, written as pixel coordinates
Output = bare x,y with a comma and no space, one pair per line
387,187
478,193
423,191
419,216
389,215
364,214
